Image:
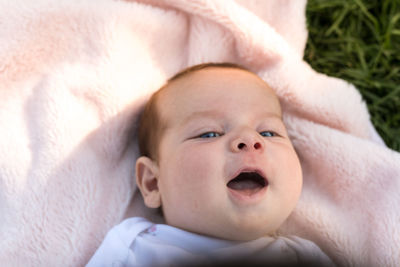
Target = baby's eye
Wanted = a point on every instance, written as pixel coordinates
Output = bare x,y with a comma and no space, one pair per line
268,134
210,135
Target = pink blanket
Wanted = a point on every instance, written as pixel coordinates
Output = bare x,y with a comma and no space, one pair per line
74,74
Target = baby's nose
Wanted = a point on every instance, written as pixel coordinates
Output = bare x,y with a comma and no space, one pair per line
247,141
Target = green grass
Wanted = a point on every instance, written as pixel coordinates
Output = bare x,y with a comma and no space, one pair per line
359,41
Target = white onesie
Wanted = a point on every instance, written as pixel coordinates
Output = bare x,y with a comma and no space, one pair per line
138,242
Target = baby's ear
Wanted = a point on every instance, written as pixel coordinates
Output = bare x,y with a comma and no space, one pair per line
147,181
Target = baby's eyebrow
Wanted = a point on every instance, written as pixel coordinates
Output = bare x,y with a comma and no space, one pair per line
215,114
269,115
212,114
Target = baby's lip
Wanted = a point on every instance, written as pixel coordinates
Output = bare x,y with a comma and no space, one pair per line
249,170
248,181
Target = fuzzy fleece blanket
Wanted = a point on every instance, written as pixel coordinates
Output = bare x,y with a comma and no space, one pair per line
74,75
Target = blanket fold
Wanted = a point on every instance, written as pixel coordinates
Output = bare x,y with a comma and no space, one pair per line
75,74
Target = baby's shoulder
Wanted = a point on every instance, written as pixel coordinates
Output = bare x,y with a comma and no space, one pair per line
115,247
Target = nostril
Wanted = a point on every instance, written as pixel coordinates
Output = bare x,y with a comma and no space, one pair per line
257,145
241,145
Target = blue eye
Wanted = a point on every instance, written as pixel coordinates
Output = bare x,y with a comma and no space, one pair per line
209,135
268,134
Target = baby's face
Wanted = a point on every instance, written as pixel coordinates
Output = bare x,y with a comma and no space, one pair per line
226,165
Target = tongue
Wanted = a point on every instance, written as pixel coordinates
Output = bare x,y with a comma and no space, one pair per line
246,184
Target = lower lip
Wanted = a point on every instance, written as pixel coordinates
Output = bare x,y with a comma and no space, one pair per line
244,198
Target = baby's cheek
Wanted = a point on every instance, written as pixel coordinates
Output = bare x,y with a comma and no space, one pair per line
287,171
294,176
195,166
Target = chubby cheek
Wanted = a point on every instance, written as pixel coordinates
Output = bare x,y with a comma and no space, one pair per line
193,167
292,177
187,177
285,171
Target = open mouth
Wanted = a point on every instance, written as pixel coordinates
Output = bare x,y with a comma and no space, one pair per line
248,183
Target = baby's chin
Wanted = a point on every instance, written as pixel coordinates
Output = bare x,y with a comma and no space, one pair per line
250,228
240,233
245,236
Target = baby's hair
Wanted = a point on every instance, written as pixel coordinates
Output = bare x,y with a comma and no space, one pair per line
151,128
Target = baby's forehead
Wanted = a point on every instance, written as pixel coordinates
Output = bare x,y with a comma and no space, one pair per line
207,76
205,89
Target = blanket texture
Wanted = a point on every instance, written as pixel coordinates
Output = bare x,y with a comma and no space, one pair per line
74,75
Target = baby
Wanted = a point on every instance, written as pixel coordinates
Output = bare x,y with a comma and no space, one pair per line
217,159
